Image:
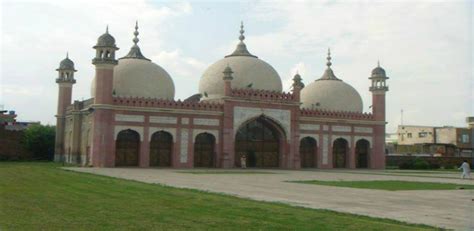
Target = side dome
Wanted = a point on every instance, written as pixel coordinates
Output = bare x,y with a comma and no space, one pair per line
249,72
137,76
142,78
331,93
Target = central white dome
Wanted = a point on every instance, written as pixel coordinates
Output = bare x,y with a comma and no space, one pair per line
248,72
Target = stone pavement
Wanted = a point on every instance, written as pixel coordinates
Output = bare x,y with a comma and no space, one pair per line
453,209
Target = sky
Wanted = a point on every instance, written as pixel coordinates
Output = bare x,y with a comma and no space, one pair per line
426,48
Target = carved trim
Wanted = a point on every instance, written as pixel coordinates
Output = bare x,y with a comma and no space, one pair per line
163,119
325,149
338,128
208,122
314,127
363,129
183,154
129,118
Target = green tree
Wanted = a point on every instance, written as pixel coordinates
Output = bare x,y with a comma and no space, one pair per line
39,140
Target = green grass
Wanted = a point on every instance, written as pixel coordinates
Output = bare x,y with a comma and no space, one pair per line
390,185
41,196
224,172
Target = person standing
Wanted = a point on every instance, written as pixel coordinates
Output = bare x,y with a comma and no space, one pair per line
243,161
466,170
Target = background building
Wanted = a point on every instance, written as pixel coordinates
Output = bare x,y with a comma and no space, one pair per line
446,140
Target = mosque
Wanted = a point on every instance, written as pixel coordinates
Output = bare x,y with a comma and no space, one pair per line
132,118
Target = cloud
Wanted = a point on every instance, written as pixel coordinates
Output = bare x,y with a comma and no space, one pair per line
34,43
183,69
424,46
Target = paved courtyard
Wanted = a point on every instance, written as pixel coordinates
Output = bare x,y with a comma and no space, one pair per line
453,209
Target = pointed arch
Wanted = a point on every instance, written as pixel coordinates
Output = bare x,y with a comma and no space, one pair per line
127,148
161,149
259,140
204,150
340,149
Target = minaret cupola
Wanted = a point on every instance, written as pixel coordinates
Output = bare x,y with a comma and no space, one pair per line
378,79
66,71
105,49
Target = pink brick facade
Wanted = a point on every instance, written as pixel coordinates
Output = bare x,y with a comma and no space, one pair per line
99,122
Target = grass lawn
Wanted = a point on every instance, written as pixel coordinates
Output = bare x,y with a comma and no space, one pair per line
390,185
40,196
225,172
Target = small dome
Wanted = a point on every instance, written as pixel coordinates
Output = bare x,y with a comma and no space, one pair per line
106,40
140,78
248,72
66,64
378,71
333,95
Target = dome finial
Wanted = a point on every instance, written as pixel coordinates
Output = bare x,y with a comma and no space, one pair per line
241,49
135,40
242,31
329,58
107,29
378,63
135,52
67,54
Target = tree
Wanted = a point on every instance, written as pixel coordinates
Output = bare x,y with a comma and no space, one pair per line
39,140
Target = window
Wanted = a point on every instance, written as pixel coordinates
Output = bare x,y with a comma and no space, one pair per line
465,138
408,135
422,134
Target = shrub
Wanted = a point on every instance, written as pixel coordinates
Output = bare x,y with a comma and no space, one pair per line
408,164
39,139
434,166
421,164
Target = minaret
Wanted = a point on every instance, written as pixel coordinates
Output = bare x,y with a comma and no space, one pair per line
228,81
102,139
65,81
378,89
298,85
104,62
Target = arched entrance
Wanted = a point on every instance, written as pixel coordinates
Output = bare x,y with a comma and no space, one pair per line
161,149
259,141
308,149
204,150
362,154
127,148
339,153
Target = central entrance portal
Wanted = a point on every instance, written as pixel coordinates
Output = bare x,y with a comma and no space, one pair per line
259,142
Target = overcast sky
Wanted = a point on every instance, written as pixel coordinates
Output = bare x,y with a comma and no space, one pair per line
426,48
